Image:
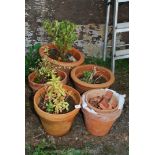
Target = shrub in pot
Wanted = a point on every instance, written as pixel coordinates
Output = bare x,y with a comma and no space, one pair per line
101,108
57,105
60,52
91,76
43,73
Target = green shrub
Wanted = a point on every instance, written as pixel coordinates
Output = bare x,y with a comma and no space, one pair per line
32,58
63,34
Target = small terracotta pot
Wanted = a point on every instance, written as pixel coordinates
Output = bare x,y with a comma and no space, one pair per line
99,124
82,86
36,86
66,66
57,124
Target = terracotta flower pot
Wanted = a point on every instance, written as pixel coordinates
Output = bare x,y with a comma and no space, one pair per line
82,86
36,86
100,122
57,124
66,66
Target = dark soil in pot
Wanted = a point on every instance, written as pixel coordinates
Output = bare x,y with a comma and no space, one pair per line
55,54
44,79
95,80
41,80
69,99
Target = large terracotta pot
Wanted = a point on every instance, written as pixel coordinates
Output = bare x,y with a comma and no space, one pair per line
57,124
100,122
66,66
36,86
82,86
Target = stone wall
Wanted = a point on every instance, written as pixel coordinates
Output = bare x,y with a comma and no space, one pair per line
90,25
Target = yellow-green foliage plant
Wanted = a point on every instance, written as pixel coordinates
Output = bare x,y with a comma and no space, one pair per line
54,100
44,71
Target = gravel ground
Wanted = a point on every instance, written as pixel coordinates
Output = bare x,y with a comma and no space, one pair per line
114,143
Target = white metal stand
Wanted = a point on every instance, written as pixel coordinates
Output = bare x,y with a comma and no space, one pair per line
117,28
106,29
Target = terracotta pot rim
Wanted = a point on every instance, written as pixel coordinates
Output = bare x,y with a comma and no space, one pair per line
55,117
32,81
39,84
66,64
108,83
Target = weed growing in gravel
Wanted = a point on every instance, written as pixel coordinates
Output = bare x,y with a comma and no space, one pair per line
45,148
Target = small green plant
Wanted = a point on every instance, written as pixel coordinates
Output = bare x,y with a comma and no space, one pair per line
44,71
91,78
32,58
88,76
63,34
55,96
45,147
40,149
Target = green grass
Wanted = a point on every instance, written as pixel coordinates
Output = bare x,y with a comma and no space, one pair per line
122,64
